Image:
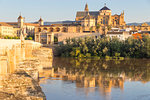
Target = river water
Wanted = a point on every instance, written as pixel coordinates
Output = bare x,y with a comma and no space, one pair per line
93,79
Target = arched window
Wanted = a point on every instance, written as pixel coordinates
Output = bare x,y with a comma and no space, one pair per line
57,29
117,22
146,28
64,29
51,29
103,21
45,29
39,29
106,20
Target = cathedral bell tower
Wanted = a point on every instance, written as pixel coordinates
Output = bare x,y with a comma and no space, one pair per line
86,8
20,21
41,22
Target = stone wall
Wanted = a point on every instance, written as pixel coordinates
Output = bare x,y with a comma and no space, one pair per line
63,36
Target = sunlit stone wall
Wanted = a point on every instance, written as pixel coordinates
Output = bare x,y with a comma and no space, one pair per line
63,36
14,51
3,64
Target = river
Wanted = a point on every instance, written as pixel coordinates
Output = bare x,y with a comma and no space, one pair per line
94,79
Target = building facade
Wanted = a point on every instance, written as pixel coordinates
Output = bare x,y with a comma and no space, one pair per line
87,22
99,21
103,17
16,28
6,29
45,38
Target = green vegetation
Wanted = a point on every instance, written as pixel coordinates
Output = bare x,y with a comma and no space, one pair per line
91,29
109,27
55,39
98,27
30,37
10,37
15,37
106,48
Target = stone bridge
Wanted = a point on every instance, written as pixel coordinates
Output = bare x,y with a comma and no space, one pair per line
14,51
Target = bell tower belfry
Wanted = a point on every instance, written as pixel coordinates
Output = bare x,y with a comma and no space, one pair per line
20,21
41,22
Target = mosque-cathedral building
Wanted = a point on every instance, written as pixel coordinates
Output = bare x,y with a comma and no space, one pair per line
87,20
92,21
103,17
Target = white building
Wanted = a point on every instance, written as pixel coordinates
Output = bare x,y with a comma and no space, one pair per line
120,35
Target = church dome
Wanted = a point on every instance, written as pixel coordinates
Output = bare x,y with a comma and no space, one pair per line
105,8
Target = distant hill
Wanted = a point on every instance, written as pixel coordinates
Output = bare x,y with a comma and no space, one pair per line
136,24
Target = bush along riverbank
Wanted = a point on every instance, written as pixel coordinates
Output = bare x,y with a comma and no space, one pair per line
106,48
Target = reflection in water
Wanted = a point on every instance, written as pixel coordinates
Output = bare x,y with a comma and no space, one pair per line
97,75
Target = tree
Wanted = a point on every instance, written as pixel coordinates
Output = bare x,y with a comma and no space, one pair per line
107,47
109,27
91,29
98,27
105,50
30,38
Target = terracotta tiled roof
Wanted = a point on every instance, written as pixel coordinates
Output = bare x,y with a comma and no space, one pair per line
31,24
12,23
88,16
4,24
45,25
28,24
83,13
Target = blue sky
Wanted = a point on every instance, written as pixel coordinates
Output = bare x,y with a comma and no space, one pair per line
58,10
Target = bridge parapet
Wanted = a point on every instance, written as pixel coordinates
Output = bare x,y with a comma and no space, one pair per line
14,51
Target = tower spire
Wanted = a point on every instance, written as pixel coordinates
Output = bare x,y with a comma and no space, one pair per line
86,7
41,22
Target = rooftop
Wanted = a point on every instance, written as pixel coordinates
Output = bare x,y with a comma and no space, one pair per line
4,24
105,8
20,17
